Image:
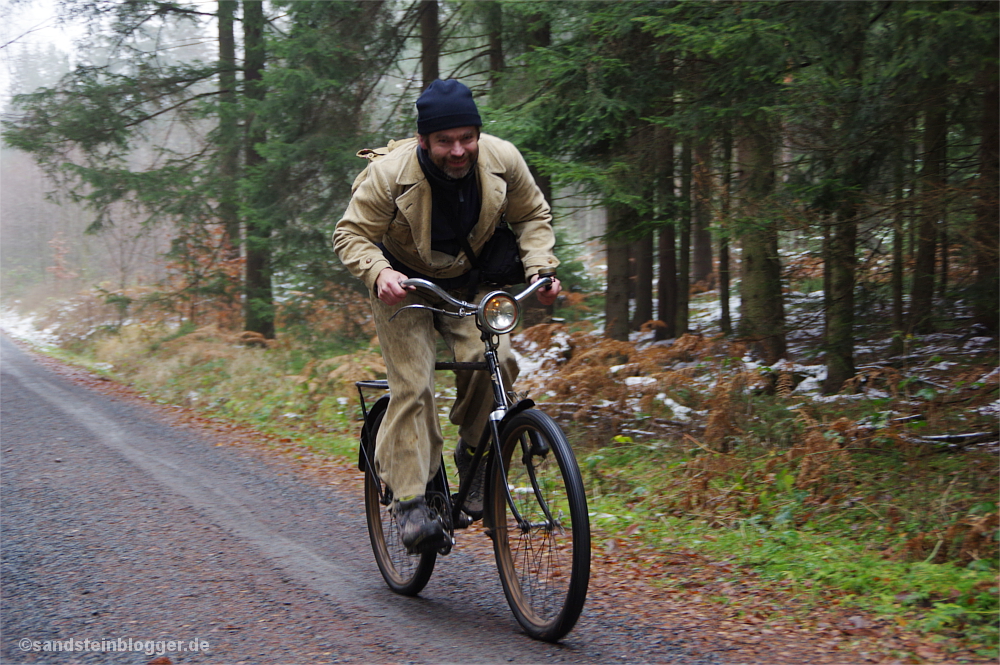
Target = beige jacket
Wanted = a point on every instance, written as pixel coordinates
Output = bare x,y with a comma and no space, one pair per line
392,205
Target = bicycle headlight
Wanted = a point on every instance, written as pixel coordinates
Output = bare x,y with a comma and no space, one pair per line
500,312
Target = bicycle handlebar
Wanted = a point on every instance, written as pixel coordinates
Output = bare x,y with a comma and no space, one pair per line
543,282
438,291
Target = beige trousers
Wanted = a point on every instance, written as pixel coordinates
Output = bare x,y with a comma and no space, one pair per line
409,444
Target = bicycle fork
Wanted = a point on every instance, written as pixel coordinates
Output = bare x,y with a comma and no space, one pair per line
502,412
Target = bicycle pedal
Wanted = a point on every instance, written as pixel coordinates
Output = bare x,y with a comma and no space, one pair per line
444,550
463,521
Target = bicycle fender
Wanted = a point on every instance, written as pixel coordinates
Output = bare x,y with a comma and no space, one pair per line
380,405
522,405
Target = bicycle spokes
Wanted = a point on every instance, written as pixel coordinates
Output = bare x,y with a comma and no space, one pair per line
542,536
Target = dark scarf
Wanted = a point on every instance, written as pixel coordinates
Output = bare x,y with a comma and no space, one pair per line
454,203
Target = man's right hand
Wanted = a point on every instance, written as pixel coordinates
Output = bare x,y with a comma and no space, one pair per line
389,286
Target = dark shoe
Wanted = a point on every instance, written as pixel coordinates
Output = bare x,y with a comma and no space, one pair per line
463,460
420,530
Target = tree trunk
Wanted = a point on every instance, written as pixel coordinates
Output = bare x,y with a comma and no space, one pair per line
932,199
259,304
495,27
667,287
762,317
986,249
532,311
701,268
667,205
945,243
898,238
540,37
684,246
642,252
616,303
539,32
827,253
229,127
840,312
429,48
725,319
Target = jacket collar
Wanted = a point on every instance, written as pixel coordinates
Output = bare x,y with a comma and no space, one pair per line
415,202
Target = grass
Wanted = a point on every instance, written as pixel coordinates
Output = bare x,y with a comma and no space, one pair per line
850,548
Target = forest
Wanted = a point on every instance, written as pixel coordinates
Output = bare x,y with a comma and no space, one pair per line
778,223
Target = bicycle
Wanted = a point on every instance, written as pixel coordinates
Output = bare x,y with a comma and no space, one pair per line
535,506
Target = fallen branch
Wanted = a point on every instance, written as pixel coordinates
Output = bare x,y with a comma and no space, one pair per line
962,439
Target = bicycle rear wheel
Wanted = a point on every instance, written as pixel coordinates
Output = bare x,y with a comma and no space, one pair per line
543,559
406,574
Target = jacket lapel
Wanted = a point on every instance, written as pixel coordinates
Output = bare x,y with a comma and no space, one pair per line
493,195
415,205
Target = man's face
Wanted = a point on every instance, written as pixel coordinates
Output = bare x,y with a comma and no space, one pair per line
454,151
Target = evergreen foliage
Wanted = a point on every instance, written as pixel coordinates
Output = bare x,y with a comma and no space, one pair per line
853,127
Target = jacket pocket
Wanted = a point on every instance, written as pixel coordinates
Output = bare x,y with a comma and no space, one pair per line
399,231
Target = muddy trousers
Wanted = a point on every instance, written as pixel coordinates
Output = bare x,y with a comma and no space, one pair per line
409,444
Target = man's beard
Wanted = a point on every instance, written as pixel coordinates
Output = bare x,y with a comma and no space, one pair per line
457,173
460,173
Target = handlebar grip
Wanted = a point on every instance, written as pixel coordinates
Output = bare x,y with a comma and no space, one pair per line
546,273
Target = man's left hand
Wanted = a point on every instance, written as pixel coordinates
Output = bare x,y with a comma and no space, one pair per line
547,295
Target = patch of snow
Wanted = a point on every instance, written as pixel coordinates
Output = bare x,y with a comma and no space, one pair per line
680,412
992,376
943,365
810,384
836,398
23,328
978,341
639,381
788,366
707,313
533,360
990,409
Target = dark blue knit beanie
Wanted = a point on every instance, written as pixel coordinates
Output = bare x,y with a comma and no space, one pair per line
446,105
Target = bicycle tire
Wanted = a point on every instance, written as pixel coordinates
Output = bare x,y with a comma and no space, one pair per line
545,566
406,574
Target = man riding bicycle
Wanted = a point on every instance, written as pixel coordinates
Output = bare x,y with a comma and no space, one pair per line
419,211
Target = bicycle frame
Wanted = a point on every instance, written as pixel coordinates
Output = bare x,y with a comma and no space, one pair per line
534,503
504,407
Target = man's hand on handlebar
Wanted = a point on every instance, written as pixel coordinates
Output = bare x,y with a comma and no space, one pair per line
390,289
389,286
547,295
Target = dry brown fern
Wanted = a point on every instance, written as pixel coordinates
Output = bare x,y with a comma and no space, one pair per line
785,385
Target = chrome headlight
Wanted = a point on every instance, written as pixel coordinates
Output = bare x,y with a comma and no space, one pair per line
499,312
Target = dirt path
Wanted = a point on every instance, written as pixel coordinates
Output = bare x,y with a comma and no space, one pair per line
126,520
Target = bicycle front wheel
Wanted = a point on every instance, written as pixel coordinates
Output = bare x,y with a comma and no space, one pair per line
405,573
542,538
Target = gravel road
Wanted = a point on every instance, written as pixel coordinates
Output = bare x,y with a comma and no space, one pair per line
117,525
